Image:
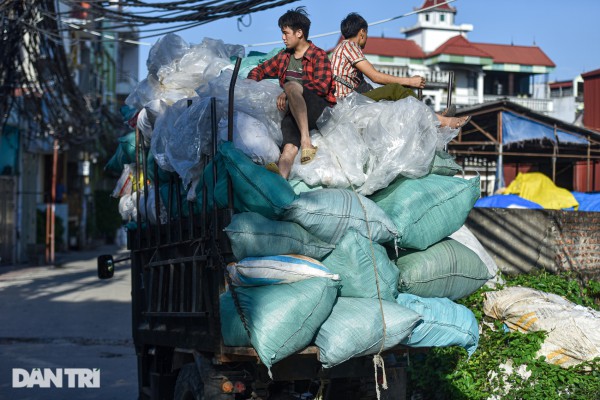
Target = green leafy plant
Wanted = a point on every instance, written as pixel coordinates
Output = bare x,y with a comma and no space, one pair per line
505,365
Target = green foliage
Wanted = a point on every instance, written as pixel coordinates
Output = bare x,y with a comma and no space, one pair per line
447,373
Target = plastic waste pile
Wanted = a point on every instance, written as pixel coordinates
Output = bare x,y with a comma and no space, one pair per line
362,250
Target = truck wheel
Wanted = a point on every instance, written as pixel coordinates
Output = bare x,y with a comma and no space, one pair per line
189,385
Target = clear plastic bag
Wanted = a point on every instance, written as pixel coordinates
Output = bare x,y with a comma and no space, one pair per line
167,49
257,99
125,183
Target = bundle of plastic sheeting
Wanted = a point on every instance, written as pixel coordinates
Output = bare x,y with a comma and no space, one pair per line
282,319
177,137
251,136
427,209
329,213
379,141
252,235
446,269
257,99
360,263
444,323
147,118
573,330
201,63
465,237
340,160
176,69
355,328
402,140
275,270
161,136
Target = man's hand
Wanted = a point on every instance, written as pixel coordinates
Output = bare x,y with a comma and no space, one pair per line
282,102
417,81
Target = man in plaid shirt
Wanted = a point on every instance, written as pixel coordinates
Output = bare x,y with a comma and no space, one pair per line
304,73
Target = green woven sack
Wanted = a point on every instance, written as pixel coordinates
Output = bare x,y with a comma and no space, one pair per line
445,323
232,328
258,189
253,235
355,328
353,260
301,187
283,319
125,154
427,209
444,164
163,175
329,213
446,269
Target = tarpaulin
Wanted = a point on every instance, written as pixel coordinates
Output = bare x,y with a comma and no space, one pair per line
516,128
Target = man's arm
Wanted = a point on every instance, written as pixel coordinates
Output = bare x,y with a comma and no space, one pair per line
268,69
369,71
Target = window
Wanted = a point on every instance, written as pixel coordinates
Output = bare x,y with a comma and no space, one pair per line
427,17
442,17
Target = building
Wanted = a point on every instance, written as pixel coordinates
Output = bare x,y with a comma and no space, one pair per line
567,97
48,167
482,71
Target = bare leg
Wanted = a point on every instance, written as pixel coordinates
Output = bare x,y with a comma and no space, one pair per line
452,122
293,91
286,159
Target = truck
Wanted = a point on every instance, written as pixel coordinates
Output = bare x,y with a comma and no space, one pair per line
178,274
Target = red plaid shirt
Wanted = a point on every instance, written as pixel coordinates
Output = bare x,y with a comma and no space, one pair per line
316,71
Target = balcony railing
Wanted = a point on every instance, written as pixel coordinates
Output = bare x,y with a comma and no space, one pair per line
544,106
432,77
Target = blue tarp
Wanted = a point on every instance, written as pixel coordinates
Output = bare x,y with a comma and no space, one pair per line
588,201
506,201
516,128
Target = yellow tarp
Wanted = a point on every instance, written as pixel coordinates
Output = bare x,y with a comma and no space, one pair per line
537,187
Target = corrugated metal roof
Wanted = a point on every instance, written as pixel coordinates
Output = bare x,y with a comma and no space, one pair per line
393,47
510,54
561,84
460,46
591,74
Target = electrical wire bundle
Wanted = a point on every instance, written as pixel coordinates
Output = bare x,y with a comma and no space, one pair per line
36,79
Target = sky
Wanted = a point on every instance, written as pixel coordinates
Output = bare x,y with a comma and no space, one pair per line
567,31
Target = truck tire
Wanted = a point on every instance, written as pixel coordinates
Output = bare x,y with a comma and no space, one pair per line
189,385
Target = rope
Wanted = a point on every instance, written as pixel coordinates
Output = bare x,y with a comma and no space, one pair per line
377,359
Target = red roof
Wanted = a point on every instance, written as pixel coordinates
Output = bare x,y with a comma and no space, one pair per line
591,74
430,3
560,84
460,46
510,54
393,47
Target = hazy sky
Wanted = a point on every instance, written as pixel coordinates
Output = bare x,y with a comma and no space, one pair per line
567,31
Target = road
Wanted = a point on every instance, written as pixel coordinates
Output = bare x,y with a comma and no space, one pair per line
62,317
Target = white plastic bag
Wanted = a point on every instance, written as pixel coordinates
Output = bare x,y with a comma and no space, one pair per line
252,137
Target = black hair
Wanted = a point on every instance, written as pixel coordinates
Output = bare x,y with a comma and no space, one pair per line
296,18
352,24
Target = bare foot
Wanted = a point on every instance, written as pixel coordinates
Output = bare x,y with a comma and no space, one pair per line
454,122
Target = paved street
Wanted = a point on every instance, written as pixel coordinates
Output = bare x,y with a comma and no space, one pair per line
65,317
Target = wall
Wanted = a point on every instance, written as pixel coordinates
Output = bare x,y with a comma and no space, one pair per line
523,240
564,109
